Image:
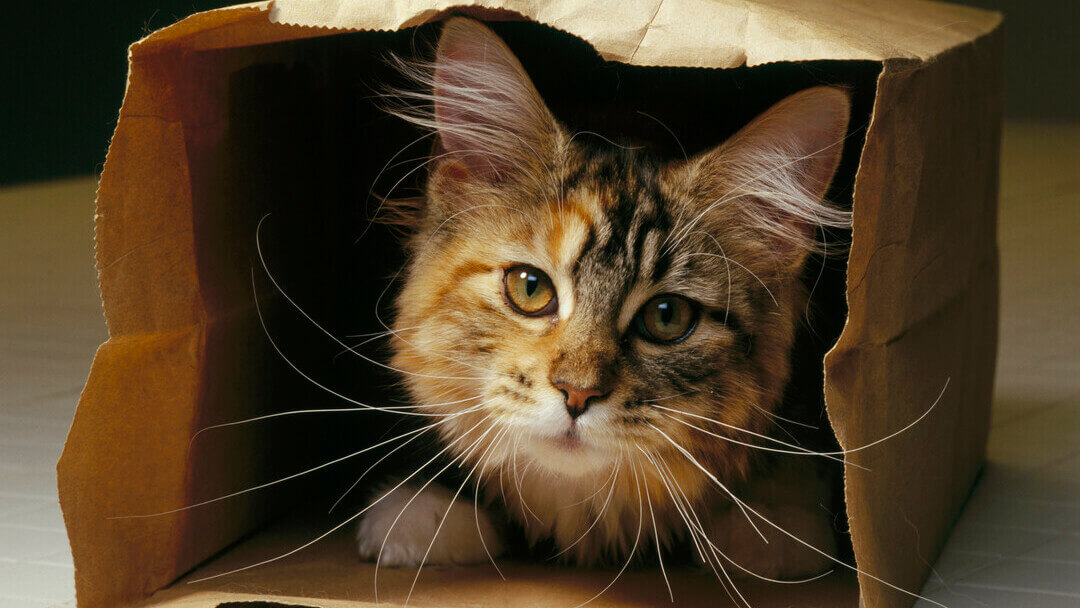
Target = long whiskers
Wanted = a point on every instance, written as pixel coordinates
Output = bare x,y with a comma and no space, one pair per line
794,452
368,470
378,176
656,534
614,472
339,526
497,444
517,480
386,332
454,461
442,521
774,417
333,410
312,321
633,549
316,383
685,509
747,510
371,337
697,527
802,450
283,479
673,136
708,474
600,515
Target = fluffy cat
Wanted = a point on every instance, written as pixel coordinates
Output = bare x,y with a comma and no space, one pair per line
602,338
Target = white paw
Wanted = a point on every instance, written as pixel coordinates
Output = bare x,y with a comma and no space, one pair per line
460,540
781,557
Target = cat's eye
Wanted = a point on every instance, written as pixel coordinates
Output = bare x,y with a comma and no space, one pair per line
530,292
666,319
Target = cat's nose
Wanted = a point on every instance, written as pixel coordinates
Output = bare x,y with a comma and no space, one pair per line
577,398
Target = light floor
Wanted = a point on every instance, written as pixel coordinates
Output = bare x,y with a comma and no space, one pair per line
1017,544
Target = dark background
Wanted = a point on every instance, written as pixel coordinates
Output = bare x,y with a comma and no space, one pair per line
64,69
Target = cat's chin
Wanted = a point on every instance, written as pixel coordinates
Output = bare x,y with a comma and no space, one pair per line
569,455
569,443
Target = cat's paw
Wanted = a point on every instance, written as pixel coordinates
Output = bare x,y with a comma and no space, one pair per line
462,538
781,557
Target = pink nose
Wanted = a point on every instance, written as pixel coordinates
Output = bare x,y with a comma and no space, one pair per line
577,398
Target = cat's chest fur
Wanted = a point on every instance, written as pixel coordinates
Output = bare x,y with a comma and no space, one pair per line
586,519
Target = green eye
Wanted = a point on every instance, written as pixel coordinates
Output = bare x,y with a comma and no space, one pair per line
666,319
530,292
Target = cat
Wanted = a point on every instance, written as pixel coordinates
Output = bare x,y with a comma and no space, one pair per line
602,339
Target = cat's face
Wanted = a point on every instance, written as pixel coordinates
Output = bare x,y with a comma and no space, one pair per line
576,306
573,316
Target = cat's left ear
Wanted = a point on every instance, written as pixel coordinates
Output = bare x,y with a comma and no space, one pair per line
490,120
768,181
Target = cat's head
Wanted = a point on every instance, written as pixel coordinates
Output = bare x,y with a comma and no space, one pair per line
573,304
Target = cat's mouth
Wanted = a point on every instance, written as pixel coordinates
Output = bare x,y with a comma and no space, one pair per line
570,440
568,453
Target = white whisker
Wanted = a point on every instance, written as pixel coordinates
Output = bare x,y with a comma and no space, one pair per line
279,480
517,481
317,384
699,528
600,515
331,410
339,526
792,452
656,534
387,332
449,506
706,550
372,466
379,175
476,501
922,416
668,129
748,509
716,554
748,271
708,474
604,139
288,298
630,557
453,461
614,472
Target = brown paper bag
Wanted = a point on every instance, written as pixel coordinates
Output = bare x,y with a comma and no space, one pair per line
218,129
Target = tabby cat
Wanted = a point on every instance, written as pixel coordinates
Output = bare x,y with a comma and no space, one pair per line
602,339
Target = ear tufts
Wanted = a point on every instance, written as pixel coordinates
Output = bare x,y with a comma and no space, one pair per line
776,171
807,129
478,99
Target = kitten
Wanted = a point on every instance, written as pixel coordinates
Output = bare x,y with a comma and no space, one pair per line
603,337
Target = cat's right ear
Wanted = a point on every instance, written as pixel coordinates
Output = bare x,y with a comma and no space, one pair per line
491,122
768,181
